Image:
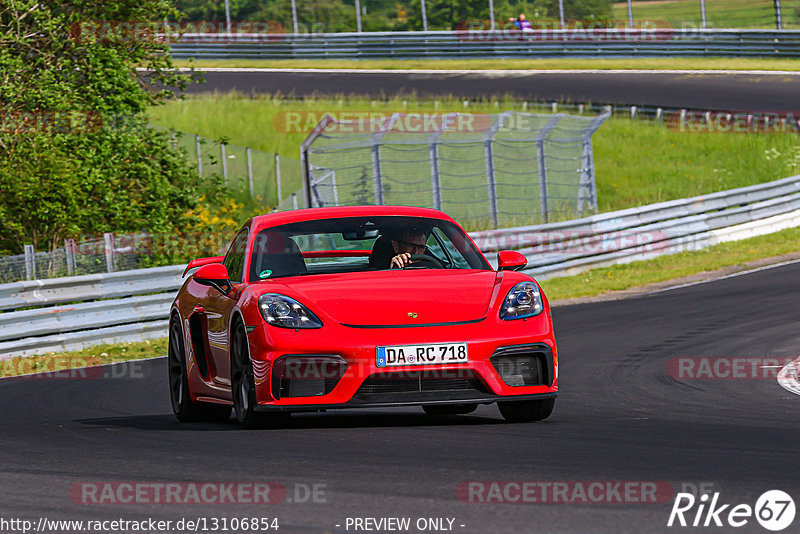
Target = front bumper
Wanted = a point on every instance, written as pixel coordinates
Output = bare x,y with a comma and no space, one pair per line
360,385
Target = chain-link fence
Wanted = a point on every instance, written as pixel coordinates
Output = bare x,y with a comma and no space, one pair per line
487,170
262,176
101,255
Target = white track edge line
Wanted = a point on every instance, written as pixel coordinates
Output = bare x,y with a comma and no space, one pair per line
732,275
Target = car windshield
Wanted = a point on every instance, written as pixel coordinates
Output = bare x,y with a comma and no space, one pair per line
360,244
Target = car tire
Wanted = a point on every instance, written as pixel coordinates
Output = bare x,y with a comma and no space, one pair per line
526,411
243,387
184,408
450,409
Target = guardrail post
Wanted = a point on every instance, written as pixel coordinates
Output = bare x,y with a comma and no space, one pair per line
250,173
278,177
69,250
294,200
199,155
778,15
490,181
108,241
30,263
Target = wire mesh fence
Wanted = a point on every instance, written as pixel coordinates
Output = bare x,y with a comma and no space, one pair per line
487,170
265,177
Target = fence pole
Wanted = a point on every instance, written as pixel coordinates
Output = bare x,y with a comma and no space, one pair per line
377,183
703,13
490,181
108,241
250,173
278,177
542,180
561,13
778,15
69,250
199,155
491,15
424,16
435,180
630,14
294,200
294,17
358,16
224,164
30,263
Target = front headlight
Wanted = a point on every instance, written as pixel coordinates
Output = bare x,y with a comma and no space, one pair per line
280,310
524,300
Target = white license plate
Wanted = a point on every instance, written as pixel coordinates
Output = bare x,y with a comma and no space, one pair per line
428,354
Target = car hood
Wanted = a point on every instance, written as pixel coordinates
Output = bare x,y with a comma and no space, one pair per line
397,298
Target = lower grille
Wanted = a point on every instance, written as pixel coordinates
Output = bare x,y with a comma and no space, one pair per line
421,386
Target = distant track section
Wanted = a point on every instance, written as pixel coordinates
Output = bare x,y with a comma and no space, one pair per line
727,91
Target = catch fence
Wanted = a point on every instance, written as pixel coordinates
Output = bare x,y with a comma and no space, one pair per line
487,170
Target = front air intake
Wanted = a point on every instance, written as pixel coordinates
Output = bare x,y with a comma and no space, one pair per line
524,365
306,375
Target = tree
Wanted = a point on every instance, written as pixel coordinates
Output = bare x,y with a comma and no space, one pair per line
76,154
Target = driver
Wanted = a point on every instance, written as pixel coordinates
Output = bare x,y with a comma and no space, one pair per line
410,242
394,250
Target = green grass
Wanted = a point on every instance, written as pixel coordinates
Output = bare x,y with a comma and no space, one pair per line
637,162
719,13
88,357
692,63
637,274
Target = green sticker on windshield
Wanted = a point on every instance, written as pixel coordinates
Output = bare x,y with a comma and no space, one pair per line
265,273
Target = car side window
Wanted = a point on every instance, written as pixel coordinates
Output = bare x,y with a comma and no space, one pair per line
438,236
234,259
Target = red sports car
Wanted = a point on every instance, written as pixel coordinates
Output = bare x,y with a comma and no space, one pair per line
359,307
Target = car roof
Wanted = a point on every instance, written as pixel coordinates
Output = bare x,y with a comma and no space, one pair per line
336,212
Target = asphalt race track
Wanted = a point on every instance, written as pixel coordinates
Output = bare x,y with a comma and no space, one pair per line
706,91
620,417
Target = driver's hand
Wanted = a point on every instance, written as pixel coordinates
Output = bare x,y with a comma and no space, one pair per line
401,260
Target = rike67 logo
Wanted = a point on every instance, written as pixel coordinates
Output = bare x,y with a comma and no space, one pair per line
774,510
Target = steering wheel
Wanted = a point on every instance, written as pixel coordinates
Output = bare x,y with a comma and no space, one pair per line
423,261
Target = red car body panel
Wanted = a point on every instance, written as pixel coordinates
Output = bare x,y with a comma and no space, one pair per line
359,312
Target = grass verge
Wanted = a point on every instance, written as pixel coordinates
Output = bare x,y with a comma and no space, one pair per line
636,274
687,63
54,364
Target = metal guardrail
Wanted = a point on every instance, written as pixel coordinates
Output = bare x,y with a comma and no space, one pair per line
70,313
621,42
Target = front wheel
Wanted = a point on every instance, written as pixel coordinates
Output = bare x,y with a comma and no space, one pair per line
526,411
184,408
243,387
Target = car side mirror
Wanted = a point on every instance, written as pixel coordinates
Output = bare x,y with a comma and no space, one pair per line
510,260
214,275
